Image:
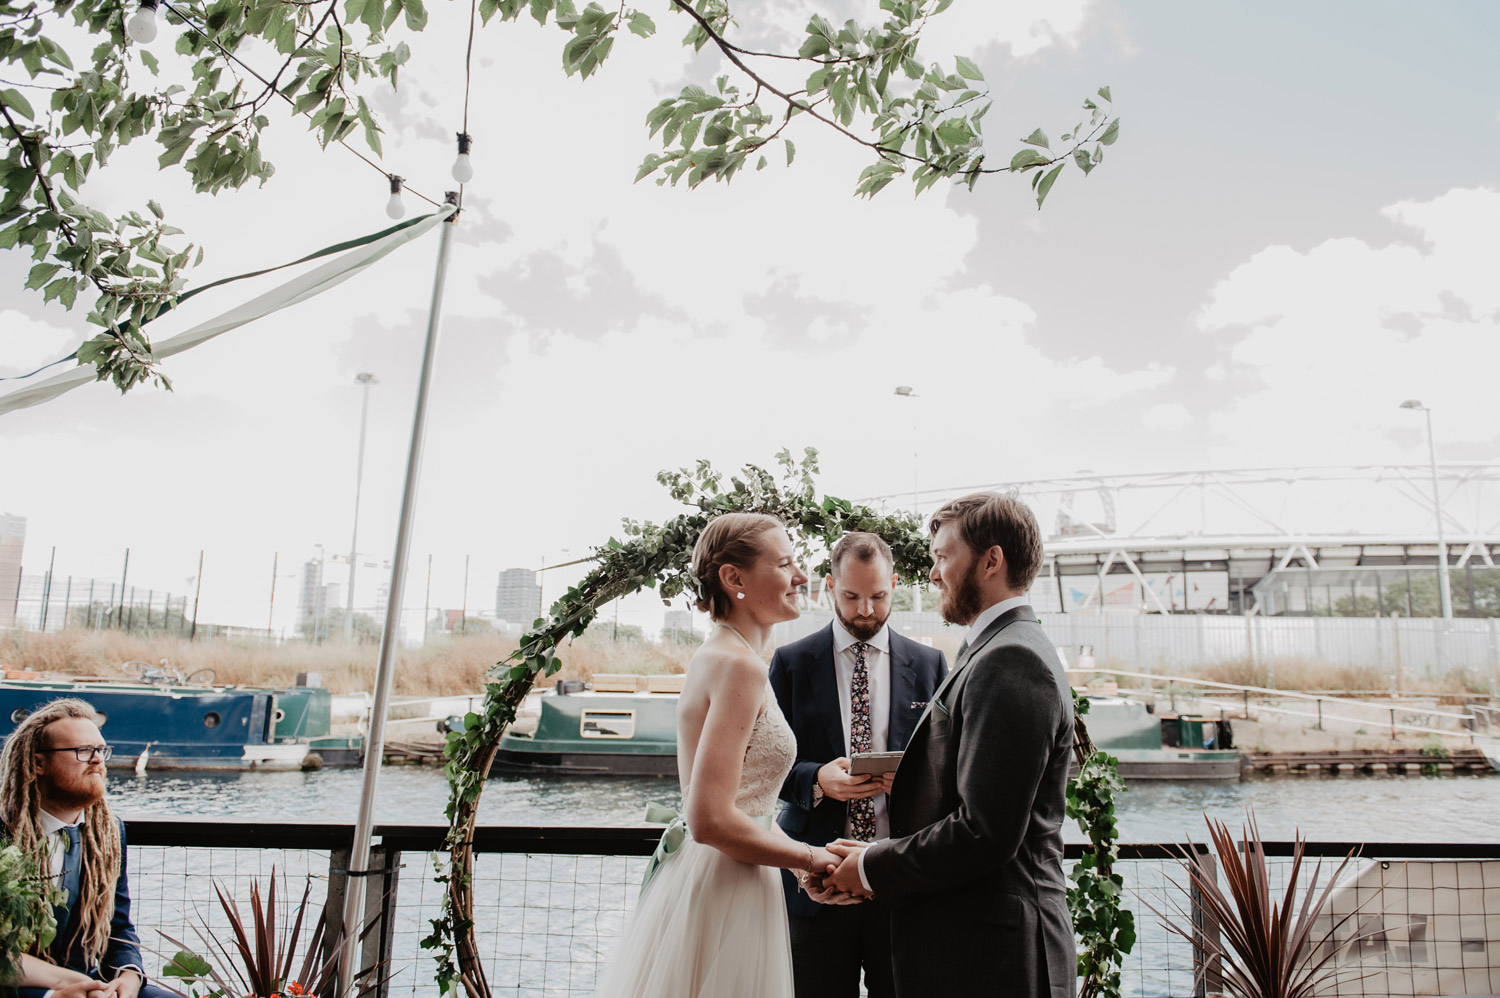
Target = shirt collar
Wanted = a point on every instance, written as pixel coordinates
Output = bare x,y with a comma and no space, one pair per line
52,824
988,616
843,640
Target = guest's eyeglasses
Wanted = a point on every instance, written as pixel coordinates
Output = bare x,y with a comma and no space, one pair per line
86,753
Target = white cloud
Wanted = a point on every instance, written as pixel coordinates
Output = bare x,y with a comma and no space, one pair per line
1338,335
27,343
1167,416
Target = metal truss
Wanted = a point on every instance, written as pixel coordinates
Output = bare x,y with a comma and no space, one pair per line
1256,520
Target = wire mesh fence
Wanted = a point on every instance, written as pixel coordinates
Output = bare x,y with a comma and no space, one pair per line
1428,918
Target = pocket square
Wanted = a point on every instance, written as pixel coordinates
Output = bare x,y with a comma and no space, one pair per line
918,704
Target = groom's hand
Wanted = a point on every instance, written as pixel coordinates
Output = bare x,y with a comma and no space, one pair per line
846,878
836,782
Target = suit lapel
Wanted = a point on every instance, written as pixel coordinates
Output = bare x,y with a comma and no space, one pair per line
988,635
825,692
903,682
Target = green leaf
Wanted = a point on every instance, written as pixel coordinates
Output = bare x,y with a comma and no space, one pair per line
1111,133
791,152
41,274
416,14
1025,158
15,101
1046,184
1037,138
1104,92
642,25
967,69
1081,157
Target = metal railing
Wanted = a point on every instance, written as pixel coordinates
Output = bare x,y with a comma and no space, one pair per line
550,901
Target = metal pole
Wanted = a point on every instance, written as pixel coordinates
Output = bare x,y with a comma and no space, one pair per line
427,602
68,599
366,380
196,593
359,855
124,574
47,588
271,611
463,614
1437,506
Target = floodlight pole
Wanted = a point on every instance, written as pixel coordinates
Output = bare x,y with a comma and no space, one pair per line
364,379
359,853
1445,589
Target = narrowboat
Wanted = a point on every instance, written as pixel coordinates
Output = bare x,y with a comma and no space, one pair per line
180,726
626,726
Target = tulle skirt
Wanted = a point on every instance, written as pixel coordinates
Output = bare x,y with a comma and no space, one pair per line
706,926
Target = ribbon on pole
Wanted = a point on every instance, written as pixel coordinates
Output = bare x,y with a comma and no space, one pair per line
361,253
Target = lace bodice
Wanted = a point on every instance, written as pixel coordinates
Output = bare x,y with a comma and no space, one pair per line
768,758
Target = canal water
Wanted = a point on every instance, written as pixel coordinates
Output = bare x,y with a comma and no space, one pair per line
1382,808
549,922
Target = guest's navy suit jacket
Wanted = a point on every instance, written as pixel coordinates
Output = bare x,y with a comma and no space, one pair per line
807,690
123,949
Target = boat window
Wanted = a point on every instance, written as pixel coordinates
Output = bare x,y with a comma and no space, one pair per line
211,719
608,724
18,715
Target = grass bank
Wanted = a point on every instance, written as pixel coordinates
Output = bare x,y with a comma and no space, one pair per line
444,666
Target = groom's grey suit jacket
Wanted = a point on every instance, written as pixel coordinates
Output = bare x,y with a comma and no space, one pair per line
973,868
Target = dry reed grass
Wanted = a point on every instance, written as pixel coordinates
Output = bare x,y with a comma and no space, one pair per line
1301,674
445,666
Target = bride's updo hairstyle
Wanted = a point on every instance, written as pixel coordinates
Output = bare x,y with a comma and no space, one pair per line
729,539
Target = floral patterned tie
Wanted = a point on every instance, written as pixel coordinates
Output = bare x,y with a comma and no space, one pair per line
861,810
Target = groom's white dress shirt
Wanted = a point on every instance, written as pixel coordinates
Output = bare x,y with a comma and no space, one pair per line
878,669
985,619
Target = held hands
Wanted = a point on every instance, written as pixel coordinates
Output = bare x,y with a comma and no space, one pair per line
815,883
845,878
836,782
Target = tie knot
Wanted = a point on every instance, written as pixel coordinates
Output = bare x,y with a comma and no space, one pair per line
73,836
860,647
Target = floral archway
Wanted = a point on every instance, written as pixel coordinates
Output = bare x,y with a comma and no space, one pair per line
658,556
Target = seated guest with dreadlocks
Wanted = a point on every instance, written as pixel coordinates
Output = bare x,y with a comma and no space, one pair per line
52,802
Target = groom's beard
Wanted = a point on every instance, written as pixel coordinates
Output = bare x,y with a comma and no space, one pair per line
963,601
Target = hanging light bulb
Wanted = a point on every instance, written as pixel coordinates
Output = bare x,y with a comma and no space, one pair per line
463,167
142,24
394,207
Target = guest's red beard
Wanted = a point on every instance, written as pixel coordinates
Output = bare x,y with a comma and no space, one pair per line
962,601
80,791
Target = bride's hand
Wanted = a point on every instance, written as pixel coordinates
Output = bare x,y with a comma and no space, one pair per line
823,862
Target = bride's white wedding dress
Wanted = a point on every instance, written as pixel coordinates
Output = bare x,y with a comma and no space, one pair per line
708,926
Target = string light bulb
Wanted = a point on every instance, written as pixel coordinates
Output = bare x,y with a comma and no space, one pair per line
142,24
463,167
394,208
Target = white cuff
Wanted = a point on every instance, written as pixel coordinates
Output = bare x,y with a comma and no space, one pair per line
864,881
48,993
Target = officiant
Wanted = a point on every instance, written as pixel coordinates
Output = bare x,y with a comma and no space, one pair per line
853,687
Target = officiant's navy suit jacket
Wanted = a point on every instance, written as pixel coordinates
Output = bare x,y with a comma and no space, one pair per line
807,690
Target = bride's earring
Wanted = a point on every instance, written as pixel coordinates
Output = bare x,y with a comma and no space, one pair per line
739,595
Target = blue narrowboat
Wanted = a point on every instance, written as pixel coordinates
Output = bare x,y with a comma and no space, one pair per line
168,726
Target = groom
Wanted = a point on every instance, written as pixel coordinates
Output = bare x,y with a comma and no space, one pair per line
973,868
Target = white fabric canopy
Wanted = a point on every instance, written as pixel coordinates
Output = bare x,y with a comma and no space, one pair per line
328,275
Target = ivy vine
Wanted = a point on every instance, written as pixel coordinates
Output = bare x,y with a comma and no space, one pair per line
658,556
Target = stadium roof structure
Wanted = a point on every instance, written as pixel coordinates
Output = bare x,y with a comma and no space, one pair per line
1253,523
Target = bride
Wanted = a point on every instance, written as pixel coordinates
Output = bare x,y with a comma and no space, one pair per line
711,921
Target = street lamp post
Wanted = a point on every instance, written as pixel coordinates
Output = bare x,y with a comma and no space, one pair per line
364,379
906,392
1445,592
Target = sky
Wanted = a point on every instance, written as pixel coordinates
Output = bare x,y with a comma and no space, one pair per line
1297,230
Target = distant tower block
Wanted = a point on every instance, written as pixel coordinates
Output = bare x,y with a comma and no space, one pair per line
12,541
518,597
